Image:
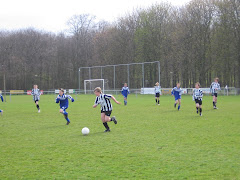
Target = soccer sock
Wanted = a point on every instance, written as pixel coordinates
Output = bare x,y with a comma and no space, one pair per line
158,101
200,110
37,106
66,116
213,103
0,110
178,107
106,125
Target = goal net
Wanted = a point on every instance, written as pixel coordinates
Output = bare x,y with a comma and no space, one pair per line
91,84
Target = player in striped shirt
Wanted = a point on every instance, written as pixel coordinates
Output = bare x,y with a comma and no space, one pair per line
106,107
63,100
157,89
197,97
1,111
125,91
214,88
36,96
177,92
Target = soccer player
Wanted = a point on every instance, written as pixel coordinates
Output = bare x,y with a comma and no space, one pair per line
197,96
36,96
177,92
157,93
63,99
125,91
106,107
1,111
214,88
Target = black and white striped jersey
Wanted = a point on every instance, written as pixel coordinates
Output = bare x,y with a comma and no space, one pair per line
215,87
197,94
36,94
104,101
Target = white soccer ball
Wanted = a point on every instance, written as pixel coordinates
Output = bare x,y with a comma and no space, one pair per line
85,131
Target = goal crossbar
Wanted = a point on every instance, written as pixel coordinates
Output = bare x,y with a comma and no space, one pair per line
92,80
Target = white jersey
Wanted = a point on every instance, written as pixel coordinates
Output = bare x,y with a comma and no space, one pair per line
197,94
157,89
215,87
36,93
104,101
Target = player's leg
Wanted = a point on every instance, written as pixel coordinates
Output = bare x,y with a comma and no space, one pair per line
125,101
179,104
215,101
176,102
108,118
197,106
103,118
158,100
200,107
65,114
37,105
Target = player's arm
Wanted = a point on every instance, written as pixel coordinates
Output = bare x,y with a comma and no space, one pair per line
172,92
70,97
96,103
114,99
57,99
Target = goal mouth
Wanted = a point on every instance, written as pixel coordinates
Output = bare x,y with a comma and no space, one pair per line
91,84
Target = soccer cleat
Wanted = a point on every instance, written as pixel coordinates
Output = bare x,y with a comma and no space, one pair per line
200,114
159,104
68,123
175,105
215,107
114,120
1,112
39,111
107,130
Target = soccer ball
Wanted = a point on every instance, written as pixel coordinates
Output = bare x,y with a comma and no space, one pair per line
85,131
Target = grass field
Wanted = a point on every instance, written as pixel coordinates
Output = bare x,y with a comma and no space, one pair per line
149,141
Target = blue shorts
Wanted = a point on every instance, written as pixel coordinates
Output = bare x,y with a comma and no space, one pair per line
64,108
177,97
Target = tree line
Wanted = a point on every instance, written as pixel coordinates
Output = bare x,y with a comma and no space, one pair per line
195,42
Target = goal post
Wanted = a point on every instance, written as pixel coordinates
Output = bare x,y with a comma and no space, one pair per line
91,84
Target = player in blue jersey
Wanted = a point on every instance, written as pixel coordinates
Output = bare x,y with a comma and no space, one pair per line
1,111
177,92
157,89
197,97
125,91
36,96
214,88
63,100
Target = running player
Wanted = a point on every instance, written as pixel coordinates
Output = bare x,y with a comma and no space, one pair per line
106,107
157,89
36,93
214,88
125,91
177,92
197,97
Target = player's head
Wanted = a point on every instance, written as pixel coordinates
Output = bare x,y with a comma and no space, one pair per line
216,79
178,85
61,91
125,84
157,84
97,91
197,85
35,86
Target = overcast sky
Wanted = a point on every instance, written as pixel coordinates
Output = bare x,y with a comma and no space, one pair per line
52,15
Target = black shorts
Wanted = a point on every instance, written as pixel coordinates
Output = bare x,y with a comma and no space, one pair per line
214,94
198,101
157,95
107,113
36,101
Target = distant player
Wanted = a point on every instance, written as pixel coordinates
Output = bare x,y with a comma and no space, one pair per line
214,88
63,99
197,97
157,89
177,92
1,111
106,107
125,91
36,96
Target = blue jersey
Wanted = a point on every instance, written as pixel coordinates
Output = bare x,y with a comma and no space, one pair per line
1,97
177,92
64,100
125,91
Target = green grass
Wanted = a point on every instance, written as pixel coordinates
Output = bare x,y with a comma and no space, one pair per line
149,141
